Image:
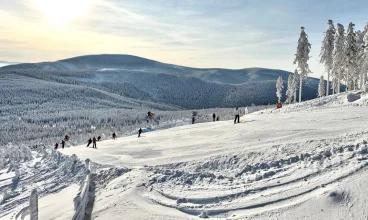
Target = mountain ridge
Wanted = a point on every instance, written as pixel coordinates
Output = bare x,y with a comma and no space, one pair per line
125,62
149,80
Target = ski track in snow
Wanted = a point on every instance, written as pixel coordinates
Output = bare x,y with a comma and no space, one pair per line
273,162
304,161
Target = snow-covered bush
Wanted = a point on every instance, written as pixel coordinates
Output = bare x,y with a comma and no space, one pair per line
10,154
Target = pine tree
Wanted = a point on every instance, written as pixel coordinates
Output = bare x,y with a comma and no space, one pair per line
360,53
289,91
321,87
279,87
351,52
363,55
301,58
338,56
326,51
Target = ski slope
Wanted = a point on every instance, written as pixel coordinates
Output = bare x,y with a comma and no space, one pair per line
305,161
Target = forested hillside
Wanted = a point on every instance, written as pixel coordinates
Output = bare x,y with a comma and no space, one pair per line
106,93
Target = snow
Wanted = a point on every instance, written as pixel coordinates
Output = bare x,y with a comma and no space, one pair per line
58,206
303,161
312,167
47,171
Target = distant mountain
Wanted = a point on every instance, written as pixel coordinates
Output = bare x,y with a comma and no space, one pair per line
111,62
144,79
5,63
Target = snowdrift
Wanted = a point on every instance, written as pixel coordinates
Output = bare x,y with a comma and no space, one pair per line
304,161
346,99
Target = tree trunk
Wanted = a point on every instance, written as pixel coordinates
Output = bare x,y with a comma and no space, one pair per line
295,97
347,82
338,83
328,83
300,88
361,80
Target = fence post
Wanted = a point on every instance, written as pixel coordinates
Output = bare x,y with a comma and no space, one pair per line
33,205
81,200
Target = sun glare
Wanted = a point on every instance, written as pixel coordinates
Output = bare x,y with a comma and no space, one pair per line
61,12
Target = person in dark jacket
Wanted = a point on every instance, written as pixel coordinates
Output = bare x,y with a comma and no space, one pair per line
99,138
218,118
214,117
62,144
94,140
89,142
113,135
139,132
56,146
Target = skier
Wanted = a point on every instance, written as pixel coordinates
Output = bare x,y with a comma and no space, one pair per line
113,135
237,115
218,118
194,115
99,138
150,114
214,117
139,132
94,142
62,144
89,142
56,146
150,117
67,137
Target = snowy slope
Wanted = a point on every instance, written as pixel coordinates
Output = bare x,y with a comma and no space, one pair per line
305,161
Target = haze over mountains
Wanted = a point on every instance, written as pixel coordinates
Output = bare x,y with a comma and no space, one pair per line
143,79
6,63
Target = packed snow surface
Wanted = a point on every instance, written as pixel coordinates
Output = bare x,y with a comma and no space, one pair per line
304,161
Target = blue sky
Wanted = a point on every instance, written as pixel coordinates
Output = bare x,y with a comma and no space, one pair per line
206,33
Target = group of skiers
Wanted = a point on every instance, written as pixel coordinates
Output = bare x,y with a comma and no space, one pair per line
237,114
215,118
66,138
150,116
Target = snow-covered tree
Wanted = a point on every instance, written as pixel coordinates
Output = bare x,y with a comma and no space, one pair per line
289,91
360,45
351,52
301,58
326,51
279,87
338,56
363,57
321,87
292,87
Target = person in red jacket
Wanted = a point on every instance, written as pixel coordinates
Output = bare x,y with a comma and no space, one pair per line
94,142
56,146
